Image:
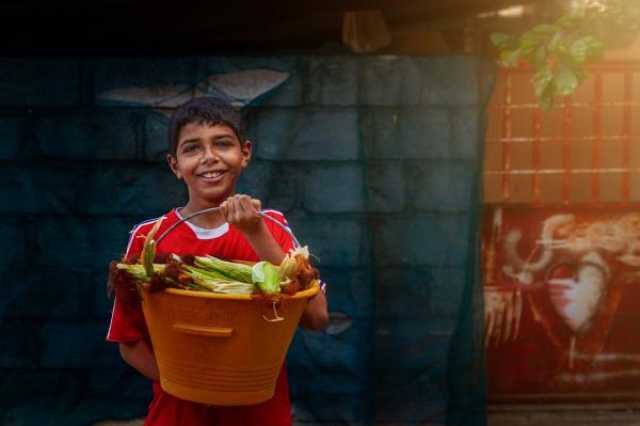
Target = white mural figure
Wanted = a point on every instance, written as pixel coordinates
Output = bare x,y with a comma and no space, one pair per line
241,87
569,261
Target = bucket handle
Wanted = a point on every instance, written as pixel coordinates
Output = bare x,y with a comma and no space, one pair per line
203,331
262,213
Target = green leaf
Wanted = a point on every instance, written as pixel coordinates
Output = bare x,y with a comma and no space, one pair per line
546,98
567,22
546,29
556,43
585,47
565,80
542,79
540,57
529,40
511,58
501,40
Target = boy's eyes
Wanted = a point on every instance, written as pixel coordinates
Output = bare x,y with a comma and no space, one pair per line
190,148
224,143
221,143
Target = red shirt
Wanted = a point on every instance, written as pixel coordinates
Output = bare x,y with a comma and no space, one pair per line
128,324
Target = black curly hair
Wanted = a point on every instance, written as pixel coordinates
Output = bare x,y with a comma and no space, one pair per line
207,110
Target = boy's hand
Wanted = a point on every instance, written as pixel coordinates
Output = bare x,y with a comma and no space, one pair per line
242,211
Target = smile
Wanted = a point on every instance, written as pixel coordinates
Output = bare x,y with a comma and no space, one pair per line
211,176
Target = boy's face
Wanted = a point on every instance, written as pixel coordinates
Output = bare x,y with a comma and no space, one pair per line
210,159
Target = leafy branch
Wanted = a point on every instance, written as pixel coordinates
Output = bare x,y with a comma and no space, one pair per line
558,52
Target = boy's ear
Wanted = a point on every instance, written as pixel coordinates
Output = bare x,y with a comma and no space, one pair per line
173,165
247,149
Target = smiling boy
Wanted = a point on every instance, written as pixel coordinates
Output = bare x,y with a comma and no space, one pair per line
208,151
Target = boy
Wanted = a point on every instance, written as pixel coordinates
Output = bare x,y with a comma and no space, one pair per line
208,151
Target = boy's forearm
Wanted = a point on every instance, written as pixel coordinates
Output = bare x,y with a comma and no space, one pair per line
139,356
264,244
315,315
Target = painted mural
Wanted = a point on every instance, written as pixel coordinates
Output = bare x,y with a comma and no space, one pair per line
562,303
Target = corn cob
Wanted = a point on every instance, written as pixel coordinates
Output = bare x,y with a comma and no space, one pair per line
234,271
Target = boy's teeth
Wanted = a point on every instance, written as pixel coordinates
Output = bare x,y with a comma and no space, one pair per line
211,175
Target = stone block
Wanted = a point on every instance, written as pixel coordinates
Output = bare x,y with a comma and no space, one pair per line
20,346
322,408
19,385
307,134
11,144
411,345
425,133
288,93
90,243
335,242
45,293
282,191
334,188
385,187
411,397
77,345
403,293
390,80
147,190
102,305
124,382
13,243
274,184
108,411
348,353
34,82
156,126
258,180
441,186
379,128
423,240
447,291
467,133
103,135
450,81
331,80
349,291
40,189
145,82
47,410
272,131
407,133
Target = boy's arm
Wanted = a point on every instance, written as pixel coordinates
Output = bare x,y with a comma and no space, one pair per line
138,354
243,212
315,315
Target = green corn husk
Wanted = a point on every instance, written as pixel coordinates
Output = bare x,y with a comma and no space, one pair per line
206,273
138,271
149,250
234,271
225,287
267,277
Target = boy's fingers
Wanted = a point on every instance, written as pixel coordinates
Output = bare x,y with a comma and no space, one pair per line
233,211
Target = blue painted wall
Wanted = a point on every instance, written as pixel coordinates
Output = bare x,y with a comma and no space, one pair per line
374,160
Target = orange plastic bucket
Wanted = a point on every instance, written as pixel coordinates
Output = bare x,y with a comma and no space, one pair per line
220,349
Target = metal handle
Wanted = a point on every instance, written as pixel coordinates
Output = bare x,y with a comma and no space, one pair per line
203,331
213,209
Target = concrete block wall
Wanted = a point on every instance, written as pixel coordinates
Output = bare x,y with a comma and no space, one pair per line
372,159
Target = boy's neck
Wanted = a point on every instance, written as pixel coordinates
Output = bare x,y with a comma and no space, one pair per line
207,220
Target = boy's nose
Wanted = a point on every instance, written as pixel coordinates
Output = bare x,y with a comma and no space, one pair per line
209,155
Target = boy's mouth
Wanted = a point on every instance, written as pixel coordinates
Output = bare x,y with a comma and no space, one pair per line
211,176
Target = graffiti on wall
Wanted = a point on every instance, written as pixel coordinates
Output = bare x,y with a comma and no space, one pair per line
562,302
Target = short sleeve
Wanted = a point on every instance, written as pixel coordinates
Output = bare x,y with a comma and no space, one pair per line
282,237
127,320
